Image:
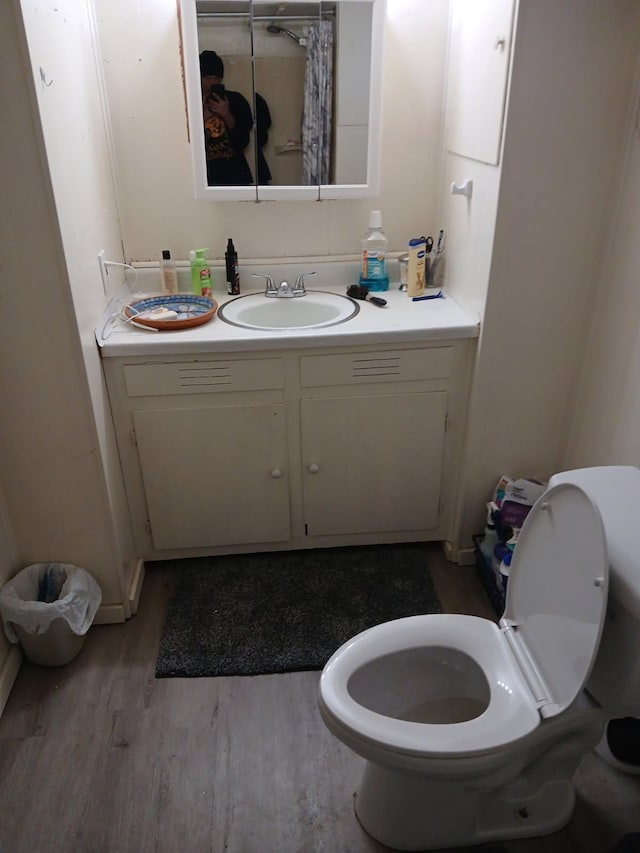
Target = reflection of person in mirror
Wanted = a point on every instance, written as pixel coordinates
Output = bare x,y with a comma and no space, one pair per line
227,126
263,123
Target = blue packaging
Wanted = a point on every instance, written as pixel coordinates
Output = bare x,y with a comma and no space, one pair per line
374,250
380,283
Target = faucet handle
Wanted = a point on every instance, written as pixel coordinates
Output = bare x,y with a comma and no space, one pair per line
270,286
299,285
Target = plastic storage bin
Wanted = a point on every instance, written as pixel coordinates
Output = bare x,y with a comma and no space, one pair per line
488,579
48,608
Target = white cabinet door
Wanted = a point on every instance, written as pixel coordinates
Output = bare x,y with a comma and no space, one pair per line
479,51
372,464
214,475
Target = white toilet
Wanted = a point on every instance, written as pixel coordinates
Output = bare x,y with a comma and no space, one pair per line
472,732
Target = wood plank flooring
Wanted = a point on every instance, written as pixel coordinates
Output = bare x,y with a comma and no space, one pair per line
101,757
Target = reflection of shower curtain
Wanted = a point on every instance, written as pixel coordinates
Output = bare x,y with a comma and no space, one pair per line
318,98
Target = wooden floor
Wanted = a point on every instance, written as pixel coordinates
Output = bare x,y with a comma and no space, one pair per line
100,756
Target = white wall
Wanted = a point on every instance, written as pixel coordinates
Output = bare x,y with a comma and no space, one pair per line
567,115
605,424
53,471
477,85
140,44
62,40
469,227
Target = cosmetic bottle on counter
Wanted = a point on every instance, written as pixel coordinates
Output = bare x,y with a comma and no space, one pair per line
168,273
200,274
233,273
416,272
374,252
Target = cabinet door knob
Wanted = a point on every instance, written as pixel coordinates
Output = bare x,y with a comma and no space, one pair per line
276,473
314,468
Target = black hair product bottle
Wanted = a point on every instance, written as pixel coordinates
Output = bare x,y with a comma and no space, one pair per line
231,263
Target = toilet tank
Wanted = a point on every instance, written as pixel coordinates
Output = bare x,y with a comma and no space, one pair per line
614,681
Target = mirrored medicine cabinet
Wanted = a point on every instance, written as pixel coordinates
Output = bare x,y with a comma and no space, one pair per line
288,103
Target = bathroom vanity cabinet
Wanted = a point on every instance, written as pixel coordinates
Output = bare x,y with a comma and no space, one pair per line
266,450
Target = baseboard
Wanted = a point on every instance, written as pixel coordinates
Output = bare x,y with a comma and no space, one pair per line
109,614
135,587
450,551
461,556
467,556
9,673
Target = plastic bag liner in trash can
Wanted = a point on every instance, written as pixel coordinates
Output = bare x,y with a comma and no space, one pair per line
48,608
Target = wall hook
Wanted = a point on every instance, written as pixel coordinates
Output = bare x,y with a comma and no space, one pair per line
43,77
465,188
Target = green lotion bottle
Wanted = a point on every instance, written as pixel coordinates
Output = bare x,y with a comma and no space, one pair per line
200,274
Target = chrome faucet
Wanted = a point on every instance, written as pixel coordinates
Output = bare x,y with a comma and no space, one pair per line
298,288
284,290
270,289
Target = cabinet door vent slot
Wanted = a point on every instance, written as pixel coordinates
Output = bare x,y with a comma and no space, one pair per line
363,368
189,377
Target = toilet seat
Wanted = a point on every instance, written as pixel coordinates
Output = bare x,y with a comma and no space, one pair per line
510,715
557,595
536,663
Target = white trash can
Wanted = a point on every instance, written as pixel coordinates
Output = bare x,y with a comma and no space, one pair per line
48,608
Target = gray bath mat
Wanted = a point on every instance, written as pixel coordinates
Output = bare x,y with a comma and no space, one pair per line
287,611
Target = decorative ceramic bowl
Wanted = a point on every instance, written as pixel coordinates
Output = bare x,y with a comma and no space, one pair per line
183,311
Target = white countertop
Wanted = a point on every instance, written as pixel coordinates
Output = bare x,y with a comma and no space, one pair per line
401,321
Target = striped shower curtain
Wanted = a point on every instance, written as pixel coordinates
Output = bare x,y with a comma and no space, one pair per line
318,103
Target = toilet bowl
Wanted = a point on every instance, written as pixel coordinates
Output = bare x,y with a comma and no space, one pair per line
471,731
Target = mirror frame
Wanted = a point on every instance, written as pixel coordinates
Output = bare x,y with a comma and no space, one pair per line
261,192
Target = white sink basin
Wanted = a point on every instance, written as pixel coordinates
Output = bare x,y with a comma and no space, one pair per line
312,311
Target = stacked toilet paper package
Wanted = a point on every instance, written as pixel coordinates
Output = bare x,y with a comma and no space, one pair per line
506,513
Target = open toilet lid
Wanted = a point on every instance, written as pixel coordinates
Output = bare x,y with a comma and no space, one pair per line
557,595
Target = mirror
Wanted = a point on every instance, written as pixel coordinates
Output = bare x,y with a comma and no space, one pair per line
283,97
